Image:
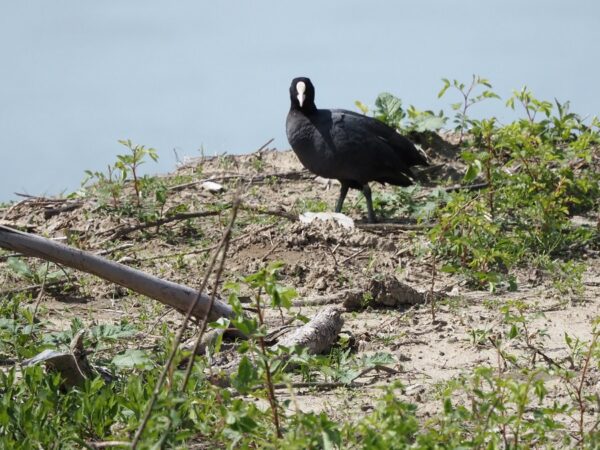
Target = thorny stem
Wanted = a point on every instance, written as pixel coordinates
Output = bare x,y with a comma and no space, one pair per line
167,367
270,388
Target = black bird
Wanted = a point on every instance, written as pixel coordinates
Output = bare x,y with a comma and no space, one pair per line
353,148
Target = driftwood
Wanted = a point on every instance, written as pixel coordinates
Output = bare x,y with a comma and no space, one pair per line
172,294
319,334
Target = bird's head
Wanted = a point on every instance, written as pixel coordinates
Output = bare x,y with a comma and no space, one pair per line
302,94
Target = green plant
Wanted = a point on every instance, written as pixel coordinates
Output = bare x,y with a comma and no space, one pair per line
130,163
247,377
537,174
461,119
107,186
408,201
388,109
18,329
39,275
111,185
311,205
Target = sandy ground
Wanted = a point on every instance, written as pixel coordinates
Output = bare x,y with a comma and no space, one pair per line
320,258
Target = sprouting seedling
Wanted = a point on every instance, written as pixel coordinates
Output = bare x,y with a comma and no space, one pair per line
468,100
530,104
129,164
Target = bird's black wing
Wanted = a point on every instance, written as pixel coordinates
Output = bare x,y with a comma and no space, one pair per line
371,127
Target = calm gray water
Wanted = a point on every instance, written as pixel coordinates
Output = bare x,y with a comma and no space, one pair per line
77,75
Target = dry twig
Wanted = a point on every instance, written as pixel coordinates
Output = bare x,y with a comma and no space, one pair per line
177,341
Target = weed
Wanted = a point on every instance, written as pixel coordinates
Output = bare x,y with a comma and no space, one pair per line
388,109
130,163
21,269
311,205
461,119
532,188
257,162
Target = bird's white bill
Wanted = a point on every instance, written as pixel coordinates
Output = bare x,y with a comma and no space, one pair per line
300,89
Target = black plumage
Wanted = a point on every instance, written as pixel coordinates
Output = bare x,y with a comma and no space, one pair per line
350,147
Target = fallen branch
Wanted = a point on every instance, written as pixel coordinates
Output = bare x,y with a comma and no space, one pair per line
347,295
270,212
292,175
108,251
393,226
51,212
119,232
33,288
11,255
172,294
353,255
206,249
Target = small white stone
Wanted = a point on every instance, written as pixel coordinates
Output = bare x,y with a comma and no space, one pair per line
211,186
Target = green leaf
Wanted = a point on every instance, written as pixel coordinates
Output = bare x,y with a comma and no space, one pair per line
360,105
133,358
389,109
245,377
427,122
473,171
444,88
19,267
112,332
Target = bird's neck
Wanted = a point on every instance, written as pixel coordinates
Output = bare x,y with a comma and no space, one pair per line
306,109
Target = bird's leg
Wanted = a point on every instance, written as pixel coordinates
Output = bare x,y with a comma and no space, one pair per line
366,190
342,197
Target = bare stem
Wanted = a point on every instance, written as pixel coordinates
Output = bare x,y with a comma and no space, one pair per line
167,367
225,245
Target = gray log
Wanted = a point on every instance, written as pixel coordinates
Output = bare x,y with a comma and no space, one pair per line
172,294
319,334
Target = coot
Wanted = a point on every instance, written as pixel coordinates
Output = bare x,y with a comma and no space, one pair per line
351,147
